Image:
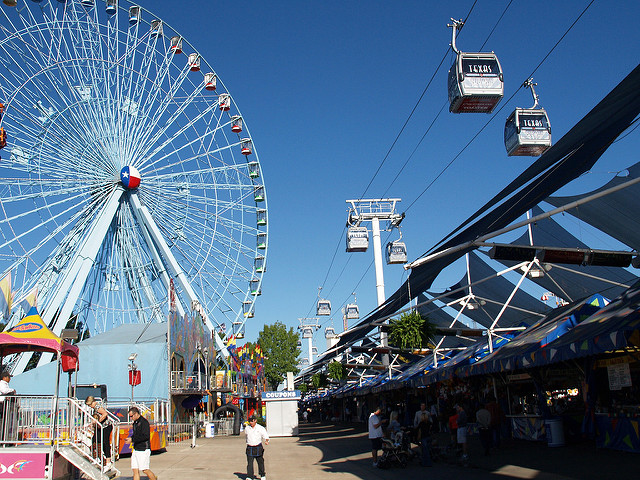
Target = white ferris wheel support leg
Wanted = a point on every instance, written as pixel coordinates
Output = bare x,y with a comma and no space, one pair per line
145,218
157,261
76,275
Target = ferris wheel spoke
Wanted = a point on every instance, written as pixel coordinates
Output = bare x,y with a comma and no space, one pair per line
169,124
162,75
38,227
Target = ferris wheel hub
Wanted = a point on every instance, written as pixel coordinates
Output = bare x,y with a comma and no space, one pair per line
130,177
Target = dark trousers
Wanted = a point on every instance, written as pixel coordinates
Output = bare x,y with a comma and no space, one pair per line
251,455
485,439
425,458
103,443
495,435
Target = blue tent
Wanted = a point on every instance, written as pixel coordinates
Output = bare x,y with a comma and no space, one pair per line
518,353
617,326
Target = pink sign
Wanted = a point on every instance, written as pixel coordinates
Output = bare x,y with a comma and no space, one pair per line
22,465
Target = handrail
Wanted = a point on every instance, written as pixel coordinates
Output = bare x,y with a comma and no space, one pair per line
27,420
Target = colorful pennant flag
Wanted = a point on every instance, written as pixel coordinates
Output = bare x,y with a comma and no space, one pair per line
31,300
6,296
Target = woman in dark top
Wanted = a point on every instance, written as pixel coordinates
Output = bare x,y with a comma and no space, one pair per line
103,434
424,434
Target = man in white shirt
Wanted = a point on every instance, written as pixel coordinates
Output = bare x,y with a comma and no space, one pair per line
8,407
5,389
417,418
375,433
255,435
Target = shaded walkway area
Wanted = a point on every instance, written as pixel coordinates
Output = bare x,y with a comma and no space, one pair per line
342,451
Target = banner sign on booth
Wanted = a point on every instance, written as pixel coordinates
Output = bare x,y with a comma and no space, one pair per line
283,395
619,376
23,465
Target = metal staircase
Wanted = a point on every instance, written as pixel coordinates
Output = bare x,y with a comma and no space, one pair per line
75,456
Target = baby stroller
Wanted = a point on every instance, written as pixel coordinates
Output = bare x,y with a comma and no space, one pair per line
395,451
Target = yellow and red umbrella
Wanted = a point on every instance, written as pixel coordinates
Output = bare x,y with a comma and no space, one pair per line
31,335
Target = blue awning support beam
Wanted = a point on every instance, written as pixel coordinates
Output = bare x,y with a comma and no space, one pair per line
481,240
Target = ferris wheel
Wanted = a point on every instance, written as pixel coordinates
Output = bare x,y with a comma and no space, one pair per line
127,172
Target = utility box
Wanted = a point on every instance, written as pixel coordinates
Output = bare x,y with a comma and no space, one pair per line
282,412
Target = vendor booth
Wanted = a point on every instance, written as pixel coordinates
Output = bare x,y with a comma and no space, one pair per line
282,412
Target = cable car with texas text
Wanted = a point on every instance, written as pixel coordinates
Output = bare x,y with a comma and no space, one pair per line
527,131
475,81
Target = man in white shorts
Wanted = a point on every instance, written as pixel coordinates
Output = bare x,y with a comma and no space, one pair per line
141,445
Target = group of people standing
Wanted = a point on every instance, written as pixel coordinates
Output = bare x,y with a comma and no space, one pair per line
425,422
139,440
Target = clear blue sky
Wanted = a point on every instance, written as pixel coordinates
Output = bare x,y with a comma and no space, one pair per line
325,88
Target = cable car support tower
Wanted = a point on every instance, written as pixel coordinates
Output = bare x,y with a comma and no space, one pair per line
374,211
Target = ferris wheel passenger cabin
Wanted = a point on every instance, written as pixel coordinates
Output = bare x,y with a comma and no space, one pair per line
194,62
261,240
134,15
258,193
357,239
527,131
176,45
254,287
248,309
111,7
323,308
475,81
210,82
238,329
236,124
224,102
156,28
261,217
246,146
87,3
259,264
254,169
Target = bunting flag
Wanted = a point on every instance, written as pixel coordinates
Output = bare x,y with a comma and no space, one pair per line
31,300
172,296
6,296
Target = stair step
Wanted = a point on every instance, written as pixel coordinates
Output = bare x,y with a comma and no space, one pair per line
85,465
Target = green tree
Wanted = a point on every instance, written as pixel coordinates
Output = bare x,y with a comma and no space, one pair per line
337,371
318,380
411,331
303,388
280,348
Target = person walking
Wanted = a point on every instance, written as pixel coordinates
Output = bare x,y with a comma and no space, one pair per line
496,421
140,440
255,434
375,433
417,418
424,435
462,430
102,436
483,418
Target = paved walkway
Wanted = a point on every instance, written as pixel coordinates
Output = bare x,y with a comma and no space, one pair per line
342,452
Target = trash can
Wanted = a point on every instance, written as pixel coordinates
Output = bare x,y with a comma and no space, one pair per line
209,429
555,432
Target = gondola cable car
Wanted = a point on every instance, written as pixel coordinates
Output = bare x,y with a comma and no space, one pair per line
527,131
323,306
475,81
351,311
396,252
